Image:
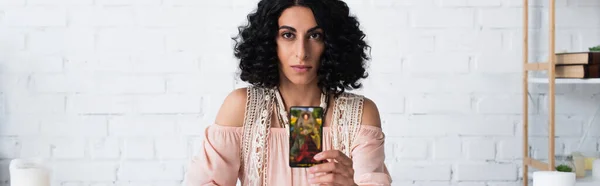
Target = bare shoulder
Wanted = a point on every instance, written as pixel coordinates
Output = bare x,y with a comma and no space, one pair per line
370,114
233,109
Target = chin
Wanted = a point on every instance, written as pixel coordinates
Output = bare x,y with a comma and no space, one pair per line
301,80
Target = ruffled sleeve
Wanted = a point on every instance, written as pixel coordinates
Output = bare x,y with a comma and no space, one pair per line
368,157
218,161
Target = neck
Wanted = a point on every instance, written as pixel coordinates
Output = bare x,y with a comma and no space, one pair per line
300,95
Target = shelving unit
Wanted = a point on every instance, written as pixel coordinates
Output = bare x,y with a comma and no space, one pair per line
551,81
564,81
538,66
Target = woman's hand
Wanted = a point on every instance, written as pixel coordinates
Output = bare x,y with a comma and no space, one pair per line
338,171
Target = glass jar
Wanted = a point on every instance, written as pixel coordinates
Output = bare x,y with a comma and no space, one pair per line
579,161
564,163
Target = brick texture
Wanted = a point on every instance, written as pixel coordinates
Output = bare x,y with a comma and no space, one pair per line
118,92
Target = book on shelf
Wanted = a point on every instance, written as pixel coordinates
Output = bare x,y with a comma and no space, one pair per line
578,71
578,65
577,58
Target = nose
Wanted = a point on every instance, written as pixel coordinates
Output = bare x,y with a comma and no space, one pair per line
301,50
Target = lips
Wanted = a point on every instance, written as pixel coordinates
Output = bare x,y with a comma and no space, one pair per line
301,68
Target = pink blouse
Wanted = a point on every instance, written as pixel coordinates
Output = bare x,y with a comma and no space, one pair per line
218,162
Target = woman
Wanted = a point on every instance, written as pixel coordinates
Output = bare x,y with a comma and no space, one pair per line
295,53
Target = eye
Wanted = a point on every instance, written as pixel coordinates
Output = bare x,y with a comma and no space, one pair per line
316,36
287,35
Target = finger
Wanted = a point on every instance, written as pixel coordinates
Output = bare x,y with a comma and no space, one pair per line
334,154
332,179
332,167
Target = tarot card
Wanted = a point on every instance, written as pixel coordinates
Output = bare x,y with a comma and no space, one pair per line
306,135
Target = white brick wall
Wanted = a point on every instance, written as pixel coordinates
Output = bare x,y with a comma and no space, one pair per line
107,88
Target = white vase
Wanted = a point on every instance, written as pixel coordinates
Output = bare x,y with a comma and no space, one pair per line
596,169
553,178
29,172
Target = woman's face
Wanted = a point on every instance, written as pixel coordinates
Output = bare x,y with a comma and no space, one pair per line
299,45
305,116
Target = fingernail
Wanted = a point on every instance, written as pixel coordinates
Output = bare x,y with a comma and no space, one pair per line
317,156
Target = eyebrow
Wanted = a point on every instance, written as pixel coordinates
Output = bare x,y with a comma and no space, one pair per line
294,30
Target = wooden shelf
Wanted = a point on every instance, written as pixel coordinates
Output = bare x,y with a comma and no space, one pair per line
530,162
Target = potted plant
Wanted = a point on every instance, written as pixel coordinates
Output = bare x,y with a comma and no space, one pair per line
564,163
564,168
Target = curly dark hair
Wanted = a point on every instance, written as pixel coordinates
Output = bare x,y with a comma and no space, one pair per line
342,64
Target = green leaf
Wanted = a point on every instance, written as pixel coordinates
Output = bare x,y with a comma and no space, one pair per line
595,49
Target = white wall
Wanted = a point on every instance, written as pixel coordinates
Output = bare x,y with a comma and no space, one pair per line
118,92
